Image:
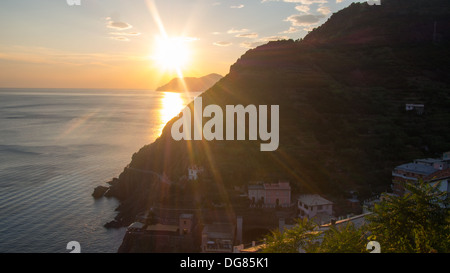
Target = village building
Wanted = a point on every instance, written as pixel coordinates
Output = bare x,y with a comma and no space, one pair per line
166,233
270,195
186,223
166,226
136,227
162,229
218,238
418,108
442,177
194,171
353,204
419,169
314,206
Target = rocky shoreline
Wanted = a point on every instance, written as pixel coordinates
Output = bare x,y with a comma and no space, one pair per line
136,192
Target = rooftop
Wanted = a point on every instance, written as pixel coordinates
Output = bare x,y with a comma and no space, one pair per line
430,161
270,186
195,167
136,225
186,216
416,168
161,227
313,200
438,175
256,187
277,186
219,231
357,220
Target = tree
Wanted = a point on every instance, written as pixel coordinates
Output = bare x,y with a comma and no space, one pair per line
301,236
415,222
344,239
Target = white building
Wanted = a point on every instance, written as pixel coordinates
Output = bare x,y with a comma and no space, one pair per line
421,169
194,171
315,206
419,108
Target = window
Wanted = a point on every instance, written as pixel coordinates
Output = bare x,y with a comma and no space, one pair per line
319,207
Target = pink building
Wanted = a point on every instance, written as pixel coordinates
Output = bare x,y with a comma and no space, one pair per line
270,194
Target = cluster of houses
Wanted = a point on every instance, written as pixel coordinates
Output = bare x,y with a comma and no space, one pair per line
428,170
278,195
186,229
226,236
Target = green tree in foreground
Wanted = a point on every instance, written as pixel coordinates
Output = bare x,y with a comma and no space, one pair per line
301,236
344,239
417,222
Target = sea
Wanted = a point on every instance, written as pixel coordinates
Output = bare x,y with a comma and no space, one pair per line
56,146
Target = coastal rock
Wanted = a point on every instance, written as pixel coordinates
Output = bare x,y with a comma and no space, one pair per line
113,182
99,191
113,224
108,193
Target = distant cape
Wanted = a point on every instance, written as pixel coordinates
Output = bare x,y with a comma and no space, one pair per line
191,84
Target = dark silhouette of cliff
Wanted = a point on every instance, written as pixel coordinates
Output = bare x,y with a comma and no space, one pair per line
190,84
342,92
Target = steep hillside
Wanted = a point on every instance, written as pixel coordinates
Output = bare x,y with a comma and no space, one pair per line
342,92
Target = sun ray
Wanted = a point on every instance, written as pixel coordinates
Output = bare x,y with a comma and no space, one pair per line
170,53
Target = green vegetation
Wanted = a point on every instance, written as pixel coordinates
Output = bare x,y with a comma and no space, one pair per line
301,236
418,222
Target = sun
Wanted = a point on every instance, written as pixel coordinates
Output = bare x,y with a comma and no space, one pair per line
172,53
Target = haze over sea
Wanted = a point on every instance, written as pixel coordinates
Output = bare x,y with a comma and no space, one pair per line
56,146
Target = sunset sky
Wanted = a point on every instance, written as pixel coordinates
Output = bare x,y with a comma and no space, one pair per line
141,44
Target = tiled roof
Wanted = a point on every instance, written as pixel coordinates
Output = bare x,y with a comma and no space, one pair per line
438,175
161,227
314,200
278,186
255,187
416,168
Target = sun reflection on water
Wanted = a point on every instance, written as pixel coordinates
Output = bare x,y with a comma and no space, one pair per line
172,104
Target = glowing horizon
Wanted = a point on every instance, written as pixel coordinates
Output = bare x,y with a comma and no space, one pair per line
114,44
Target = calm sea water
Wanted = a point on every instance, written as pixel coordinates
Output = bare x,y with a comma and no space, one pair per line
56,146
